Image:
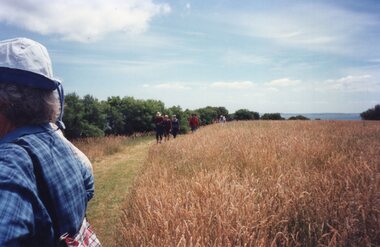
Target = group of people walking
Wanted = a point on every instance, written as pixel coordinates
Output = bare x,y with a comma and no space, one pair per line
166,126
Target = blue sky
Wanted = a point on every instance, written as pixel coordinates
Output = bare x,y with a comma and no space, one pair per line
262,55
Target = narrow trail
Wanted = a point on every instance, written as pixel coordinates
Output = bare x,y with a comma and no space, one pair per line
114,175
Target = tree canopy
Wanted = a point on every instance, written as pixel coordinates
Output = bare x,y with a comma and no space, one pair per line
87,116
272,116
244,114
299,117
371,114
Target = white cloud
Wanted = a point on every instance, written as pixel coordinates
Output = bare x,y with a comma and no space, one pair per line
273,89
283,82
235,57
233,85
352,83
374,60
80,20
318,27
188,6
172,86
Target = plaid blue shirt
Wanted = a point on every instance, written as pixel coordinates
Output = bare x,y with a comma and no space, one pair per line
44,187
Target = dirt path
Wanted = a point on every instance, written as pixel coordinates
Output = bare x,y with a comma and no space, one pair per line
113,177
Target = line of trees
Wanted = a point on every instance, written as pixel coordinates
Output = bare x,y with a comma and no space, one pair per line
371,114
88,117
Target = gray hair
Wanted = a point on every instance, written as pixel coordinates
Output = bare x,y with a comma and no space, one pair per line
24,105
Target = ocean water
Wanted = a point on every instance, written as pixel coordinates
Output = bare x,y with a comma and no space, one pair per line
325,116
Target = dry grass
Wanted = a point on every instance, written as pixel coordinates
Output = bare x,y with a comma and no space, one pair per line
97,148
114,174
287,183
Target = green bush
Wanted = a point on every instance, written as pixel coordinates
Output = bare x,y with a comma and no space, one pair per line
90,130
371,114
298,117
244,114
272,116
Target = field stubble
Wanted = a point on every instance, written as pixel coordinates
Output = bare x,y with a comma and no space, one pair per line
96,148
260,183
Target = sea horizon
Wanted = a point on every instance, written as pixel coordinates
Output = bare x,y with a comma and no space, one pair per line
325,116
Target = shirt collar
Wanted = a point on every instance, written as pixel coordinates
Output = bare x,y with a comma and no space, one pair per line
26,130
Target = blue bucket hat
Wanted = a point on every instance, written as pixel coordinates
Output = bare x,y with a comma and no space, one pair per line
27,63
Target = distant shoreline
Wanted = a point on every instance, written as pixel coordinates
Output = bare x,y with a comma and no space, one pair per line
325,116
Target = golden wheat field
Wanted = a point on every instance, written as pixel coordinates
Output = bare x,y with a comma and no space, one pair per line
97,147
260,183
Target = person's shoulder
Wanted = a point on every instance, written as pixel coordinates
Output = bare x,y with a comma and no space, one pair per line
14,156
12,149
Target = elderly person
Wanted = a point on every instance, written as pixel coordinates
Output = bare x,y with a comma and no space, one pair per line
175,126
159,123
45,182
167,127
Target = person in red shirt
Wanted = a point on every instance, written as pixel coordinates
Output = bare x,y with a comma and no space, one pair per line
193,122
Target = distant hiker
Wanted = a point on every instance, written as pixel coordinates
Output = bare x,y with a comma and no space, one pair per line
203,122
175,126
222,119
158,121
167,127
45,181
193,122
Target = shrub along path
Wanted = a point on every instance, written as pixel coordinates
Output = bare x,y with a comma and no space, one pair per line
114,175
